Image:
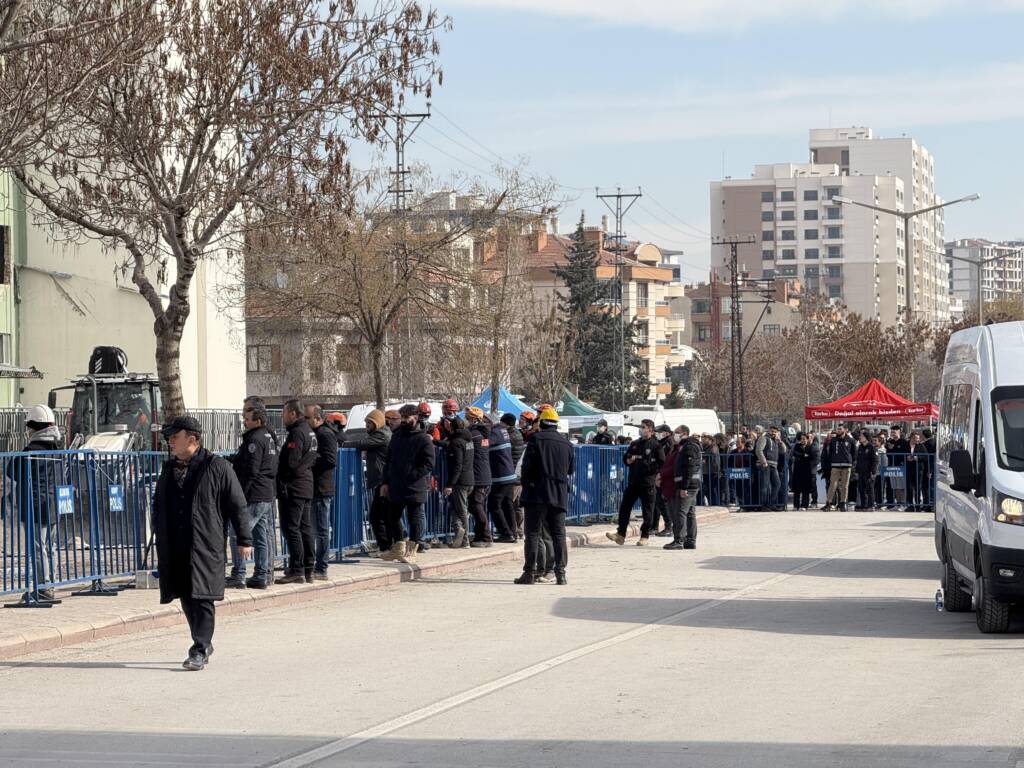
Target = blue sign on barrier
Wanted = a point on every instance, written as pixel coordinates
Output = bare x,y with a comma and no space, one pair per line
739,473
899,471
65,500
116,496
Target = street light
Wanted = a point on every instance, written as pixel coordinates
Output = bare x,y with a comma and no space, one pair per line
908,243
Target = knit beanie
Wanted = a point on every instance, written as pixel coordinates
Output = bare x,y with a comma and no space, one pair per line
376,417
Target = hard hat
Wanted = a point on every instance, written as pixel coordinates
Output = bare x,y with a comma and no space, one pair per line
549,414
451,405
528,416
476,413
40,414
337,416
424,409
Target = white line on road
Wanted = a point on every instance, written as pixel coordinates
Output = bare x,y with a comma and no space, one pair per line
346,743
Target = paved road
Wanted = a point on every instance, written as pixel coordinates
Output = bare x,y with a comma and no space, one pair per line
789,639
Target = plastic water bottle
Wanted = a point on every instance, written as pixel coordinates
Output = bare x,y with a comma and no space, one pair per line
938,599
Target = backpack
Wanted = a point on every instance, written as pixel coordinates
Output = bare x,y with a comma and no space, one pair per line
108,360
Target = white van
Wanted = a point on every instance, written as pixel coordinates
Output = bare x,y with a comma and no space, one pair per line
699,420
979,509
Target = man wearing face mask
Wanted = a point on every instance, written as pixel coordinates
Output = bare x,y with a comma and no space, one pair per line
687,480
664,435
602,436
644,458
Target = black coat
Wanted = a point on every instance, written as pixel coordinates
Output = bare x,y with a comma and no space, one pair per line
688,465
190,524
255,464
459,452
375,447
805,461
295,467
604,438
326,460
518,444
867,461
547,463
648,455
841,451
481,453
409,465
47,473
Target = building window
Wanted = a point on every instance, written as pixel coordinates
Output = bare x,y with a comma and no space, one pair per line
641,294
771,329
767,255
835,291
835,270
348,358
810,234
703,332
833,213
810,194
789,253
263,358
835,252
726,332
5,348
811,271
810,253
844,158
766,197
831,192
768,234
789,234
767,216
810,215
834,233
787,196
787,270
701,306
641,334
769,274
789,215
726,304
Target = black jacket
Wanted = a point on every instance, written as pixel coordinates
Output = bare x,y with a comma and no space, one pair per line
604,438
841,451
648,456
866,460
459,451
375,446
326,460
518,445
255,464
47,472
547,463
295,467
190,522
897,452
409,465
688,465
481,453
805,461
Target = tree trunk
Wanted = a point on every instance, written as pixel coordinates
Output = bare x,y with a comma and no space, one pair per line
376,358
168,368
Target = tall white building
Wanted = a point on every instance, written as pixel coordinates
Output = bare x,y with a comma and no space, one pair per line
850,255
1001,277
858,151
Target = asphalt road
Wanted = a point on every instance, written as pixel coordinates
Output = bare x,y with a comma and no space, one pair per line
788,639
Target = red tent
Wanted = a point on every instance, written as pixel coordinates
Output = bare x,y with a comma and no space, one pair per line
872,401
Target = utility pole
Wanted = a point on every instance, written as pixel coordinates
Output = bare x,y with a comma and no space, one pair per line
623,202
406,124
736,324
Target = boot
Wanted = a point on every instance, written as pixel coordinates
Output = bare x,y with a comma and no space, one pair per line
618,538
293,577
526,578
410,554
689,544
458,538
396,552
560,578
642,542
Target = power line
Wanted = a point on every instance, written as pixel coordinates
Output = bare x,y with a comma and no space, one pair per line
675,216
672,226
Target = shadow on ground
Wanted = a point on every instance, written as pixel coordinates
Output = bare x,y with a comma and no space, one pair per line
844,568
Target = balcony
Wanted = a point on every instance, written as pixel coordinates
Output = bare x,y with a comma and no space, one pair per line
642,310
663,387
662,309
663,349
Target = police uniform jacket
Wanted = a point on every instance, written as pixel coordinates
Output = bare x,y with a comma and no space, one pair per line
255,464
295,466
547,463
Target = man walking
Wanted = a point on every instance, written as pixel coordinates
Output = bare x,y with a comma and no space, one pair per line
644,458
255,466
196,497
295,492
408,470
481,433
840,454
548,462
375,447
687,480
323,487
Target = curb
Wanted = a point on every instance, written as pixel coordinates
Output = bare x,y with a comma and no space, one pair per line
238,602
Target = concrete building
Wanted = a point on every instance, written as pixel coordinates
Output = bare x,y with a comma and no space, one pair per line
1001,277
711,309
59,300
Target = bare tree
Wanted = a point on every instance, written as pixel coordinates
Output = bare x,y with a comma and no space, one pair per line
547,355
236,93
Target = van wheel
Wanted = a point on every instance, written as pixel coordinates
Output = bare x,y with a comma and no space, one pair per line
992,616
955,599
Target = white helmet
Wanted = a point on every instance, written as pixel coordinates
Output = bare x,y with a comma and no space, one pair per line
41,414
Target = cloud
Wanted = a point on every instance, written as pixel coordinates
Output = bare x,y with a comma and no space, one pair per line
697,15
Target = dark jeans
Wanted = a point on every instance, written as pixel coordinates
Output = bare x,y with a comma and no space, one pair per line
378,519
709,491
478,508
458,505
200,617
866,491
660,512
684,518
545,552
769,483
539,516
260,513
297,527
500,505
645,493
802,499
322,506
417,521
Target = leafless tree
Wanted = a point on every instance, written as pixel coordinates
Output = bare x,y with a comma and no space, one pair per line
161,160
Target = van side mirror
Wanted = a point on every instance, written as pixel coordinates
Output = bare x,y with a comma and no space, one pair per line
963,470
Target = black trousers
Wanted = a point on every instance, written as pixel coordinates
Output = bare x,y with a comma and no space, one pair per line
378,519
502,509
297,527
866,491
200,617
396,528
633,492
478,509
540,516
660,513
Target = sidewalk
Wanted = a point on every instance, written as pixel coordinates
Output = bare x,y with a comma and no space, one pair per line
82,619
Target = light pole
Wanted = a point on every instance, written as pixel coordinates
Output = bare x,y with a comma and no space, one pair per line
980,264
908,246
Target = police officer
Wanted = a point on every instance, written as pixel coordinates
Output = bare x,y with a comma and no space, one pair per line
255,465
481,433
644,458
602,436
687,479
295,494
323,486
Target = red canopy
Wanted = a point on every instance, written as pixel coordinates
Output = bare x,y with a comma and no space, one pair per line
873,400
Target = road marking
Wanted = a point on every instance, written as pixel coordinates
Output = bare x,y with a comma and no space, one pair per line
346,743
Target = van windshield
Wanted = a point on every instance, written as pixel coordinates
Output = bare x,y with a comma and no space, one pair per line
1008,407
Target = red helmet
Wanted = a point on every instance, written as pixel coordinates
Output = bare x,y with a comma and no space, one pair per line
450,406
424,409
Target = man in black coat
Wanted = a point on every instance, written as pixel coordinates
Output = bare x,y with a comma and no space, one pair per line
196,497
515,437
481,432
687,478
548,462
459,451
323,487
601,435
255,466
295,493
408,471
374,446
644,458
866,463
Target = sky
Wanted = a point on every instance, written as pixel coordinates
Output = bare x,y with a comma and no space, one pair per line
668,95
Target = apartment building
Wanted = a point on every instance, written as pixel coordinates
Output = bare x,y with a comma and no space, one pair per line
1002,271
651,294
767,307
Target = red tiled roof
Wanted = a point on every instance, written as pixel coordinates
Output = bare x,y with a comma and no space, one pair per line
556,253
